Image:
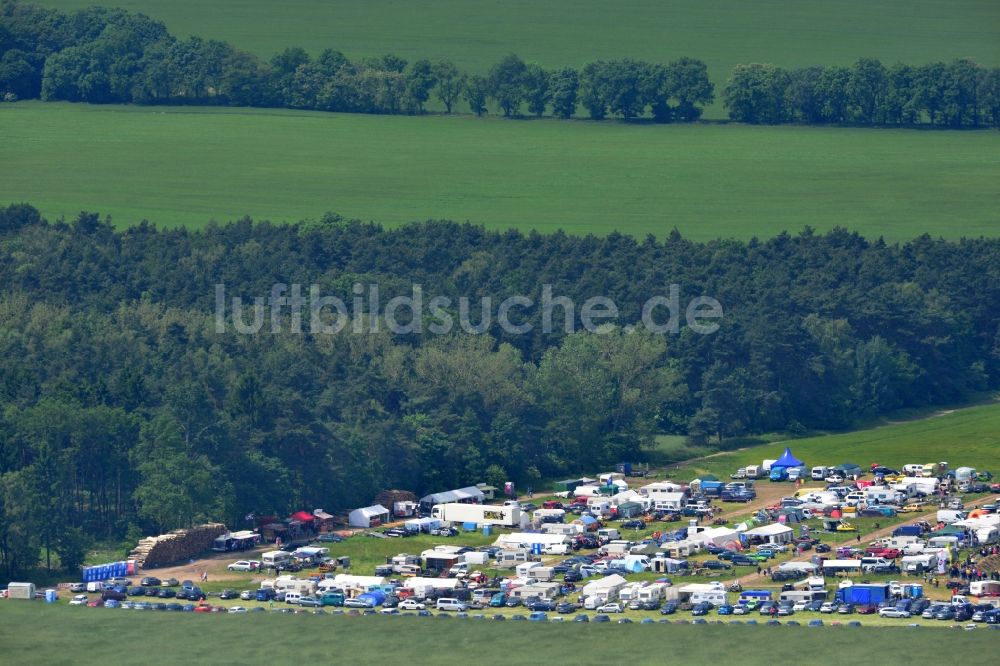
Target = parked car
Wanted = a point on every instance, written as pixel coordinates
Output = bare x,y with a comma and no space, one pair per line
150,581
308,602
716,564
78,587
79,600
411,605
701,608
611,608
565,608
668,608
228,594
242,565
893,612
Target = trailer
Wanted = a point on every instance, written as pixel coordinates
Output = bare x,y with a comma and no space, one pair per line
847,566
863,594
21,591
479,514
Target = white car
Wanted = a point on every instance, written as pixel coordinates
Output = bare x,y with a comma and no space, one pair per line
800,606
610,608
237,609
411,604
739,609
242,565
247,595
78,600
893,612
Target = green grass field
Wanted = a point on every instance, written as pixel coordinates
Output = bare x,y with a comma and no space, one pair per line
560,32
35,633
964,437
183,166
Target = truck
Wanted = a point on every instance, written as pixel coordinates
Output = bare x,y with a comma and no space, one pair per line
480,514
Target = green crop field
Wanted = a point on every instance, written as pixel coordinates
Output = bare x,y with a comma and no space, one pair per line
964,437
184,166
38,634
562,32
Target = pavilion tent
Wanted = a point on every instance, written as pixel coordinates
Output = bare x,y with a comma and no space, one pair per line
787,460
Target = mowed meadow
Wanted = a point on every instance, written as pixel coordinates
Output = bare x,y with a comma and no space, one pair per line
185,166
553,33
962,437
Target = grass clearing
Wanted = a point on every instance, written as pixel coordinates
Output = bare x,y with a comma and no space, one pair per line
963,437
263,638
184,166
559,32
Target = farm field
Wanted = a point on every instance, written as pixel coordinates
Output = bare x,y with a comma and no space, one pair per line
226,639
184,166
477,34
964,437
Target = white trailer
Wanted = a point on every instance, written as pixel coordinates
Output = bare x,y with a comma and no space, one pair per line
21,591
848,566
480,514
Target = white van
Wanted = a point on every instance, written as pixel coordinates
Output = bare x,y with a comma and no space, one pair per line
447,604
292,597
819,473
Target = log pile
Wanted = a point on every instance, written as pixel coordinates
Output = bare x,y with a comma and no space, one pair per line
175,546
388,497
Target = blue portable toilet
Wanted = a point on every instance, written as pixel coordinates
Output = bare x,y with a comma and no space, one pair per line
487,530
51,596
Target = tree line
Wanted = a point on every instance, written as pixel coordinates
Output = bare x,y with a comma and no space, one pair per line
959,94
122,407
101,56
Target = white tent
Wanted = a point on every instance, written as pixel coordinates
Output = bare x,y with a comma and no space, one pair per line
674,501
527,539
660,487
775,533
368,516
720,536
422,524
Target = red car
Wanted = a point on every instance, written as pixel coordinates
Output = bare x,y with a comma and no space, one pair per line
203,608
866,610
887,553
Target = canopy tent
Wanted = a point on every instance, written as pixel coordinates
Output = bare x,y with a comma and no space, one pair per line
787,460
368,516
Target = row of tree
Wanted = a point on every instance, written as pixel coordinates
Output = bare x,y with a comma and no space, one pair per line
121,404
959,94
102,56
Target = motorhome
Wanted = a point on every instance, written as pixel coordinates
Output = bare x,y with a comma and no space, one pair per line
753,472
272,559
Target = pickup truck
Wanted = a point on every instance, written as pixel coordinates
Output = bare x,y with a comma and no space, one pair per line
883,551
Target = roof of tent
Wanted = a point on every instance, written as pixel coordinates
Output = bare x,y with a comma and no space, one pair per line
787,460
371,511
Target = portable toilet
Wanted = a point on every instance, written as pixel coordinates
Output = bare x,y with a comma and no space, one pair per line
51,596
487,530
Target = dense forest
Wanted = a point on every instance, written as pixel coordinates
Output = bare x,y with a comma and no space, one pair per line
103,56
123,405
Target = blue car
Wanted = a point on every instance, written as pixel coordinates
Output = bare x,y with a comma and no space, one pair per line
725,609
538,616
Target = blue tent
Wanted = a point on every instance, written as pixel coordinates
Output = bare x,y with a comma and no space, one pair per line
787,460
